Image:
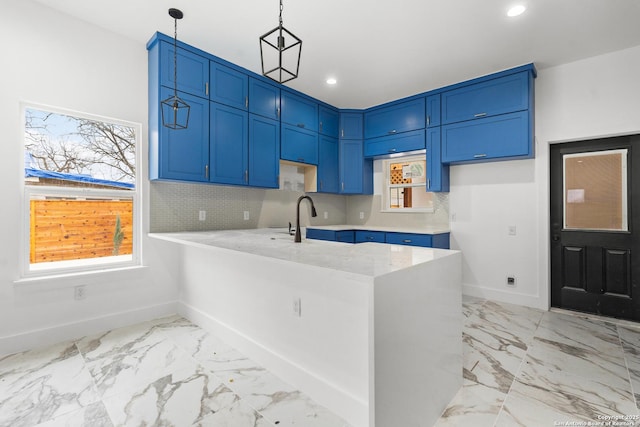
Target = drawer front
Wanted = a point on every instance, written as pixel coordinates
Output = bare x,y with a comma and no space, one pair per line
498,96
500,137
298,145
409,141
412,239
403,117
370,236
314,233
346,236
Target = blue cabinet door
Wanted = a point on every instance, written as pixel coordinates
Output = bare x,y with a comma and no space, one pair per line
408,141
507,136
433,110
299,111
437,173
410,239
355,172
229,143
298,144
328,121
182,154
351,126
328,179
193,71
264,152
320,234
228,86
264,99
493,97
346,236
396,118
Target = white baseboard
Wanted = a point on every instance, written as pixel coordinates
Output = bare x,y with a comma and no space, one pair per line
337,400
75,330
534,301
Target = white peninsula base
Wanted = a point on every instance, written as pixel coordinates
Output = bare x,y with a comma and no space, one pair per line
371,331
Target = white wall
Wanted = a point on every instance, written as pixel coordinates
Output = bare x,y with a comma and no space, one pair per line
586,99
52,59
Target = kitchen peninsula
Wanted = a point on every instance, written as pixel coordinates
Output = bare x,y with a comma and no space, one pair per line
371,331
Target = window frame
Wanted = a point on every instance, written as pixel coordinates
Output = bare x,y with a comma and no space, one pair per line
86,265
387,186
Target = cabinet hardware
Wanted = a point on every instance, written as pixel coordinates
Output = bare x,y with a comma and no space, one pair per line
393,150
320,126
300,125
478,156
342,185
428,183
406,241
342,133
480,115
206,171
206,88
246,175
392,131
278,112
246,102
369,237
428,120
301,159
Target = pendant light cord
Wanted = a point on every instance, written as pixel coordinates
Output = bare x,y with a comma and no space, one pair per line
281,7
175,56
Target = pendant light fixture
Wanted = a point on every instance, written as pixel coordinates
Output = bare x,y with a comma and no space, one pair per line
280,53
175,112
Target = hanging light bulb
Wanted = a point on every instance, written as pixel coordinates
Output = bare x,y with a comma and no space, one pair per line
175,112
280,61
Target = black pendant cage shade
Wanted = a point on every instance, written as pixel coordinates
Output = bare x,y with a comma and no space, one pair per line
175,111
280,52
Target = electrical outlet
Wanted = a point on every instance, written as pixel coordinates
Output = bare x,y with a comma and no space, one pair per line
326,215
297,306
511,280
246,215
361,215
79,292
202,215
512,230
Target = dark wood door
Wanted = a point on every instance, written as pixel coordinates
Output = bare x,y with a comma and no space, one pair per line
595,223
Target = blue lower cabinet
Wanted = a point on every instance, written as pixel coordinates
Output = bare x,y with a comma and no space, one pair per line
415,239
314,233
298,144
346,236
363,236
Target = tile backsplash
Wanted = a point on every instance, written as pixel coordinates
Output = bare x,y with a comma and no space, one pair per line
175,207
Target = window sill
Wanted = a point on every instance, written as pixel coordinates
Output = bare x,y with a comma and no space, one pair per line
91,277
425,210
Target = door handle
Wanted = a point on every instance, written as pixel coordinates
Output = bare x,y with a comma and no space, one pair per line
556,237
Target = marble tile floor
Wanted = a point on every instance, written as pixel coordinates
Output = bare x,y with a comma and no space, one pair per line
166,372
525,367
522,367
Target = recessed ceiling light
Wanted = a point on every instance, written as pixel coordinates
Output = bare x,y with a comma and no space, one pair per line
331,81
516,10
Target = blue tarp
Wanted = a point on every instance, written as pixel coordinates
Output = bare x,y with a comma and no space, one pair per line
37,173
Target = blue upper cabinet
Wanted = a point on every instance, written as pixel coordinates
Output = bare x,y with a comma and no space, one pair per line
229,144
356,172
328,181
264,99
503,137
182,154
193,71
433,110
351,126
328,121
489,98
395,118
298,144
437,173
299,111
228,86
264,151
392,144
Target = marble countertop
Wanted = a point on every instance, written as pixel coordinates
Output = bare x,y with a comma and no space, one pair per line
366,259
419,230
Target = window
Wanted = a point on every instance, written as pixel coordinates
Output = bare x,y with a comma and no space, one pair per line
80,192
404,187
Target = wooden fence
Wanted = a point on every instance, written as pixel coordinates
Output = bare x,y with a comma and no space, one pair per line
79,229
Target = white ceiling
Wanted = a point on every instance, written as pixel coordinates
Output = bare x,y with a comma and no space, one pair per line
382,50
